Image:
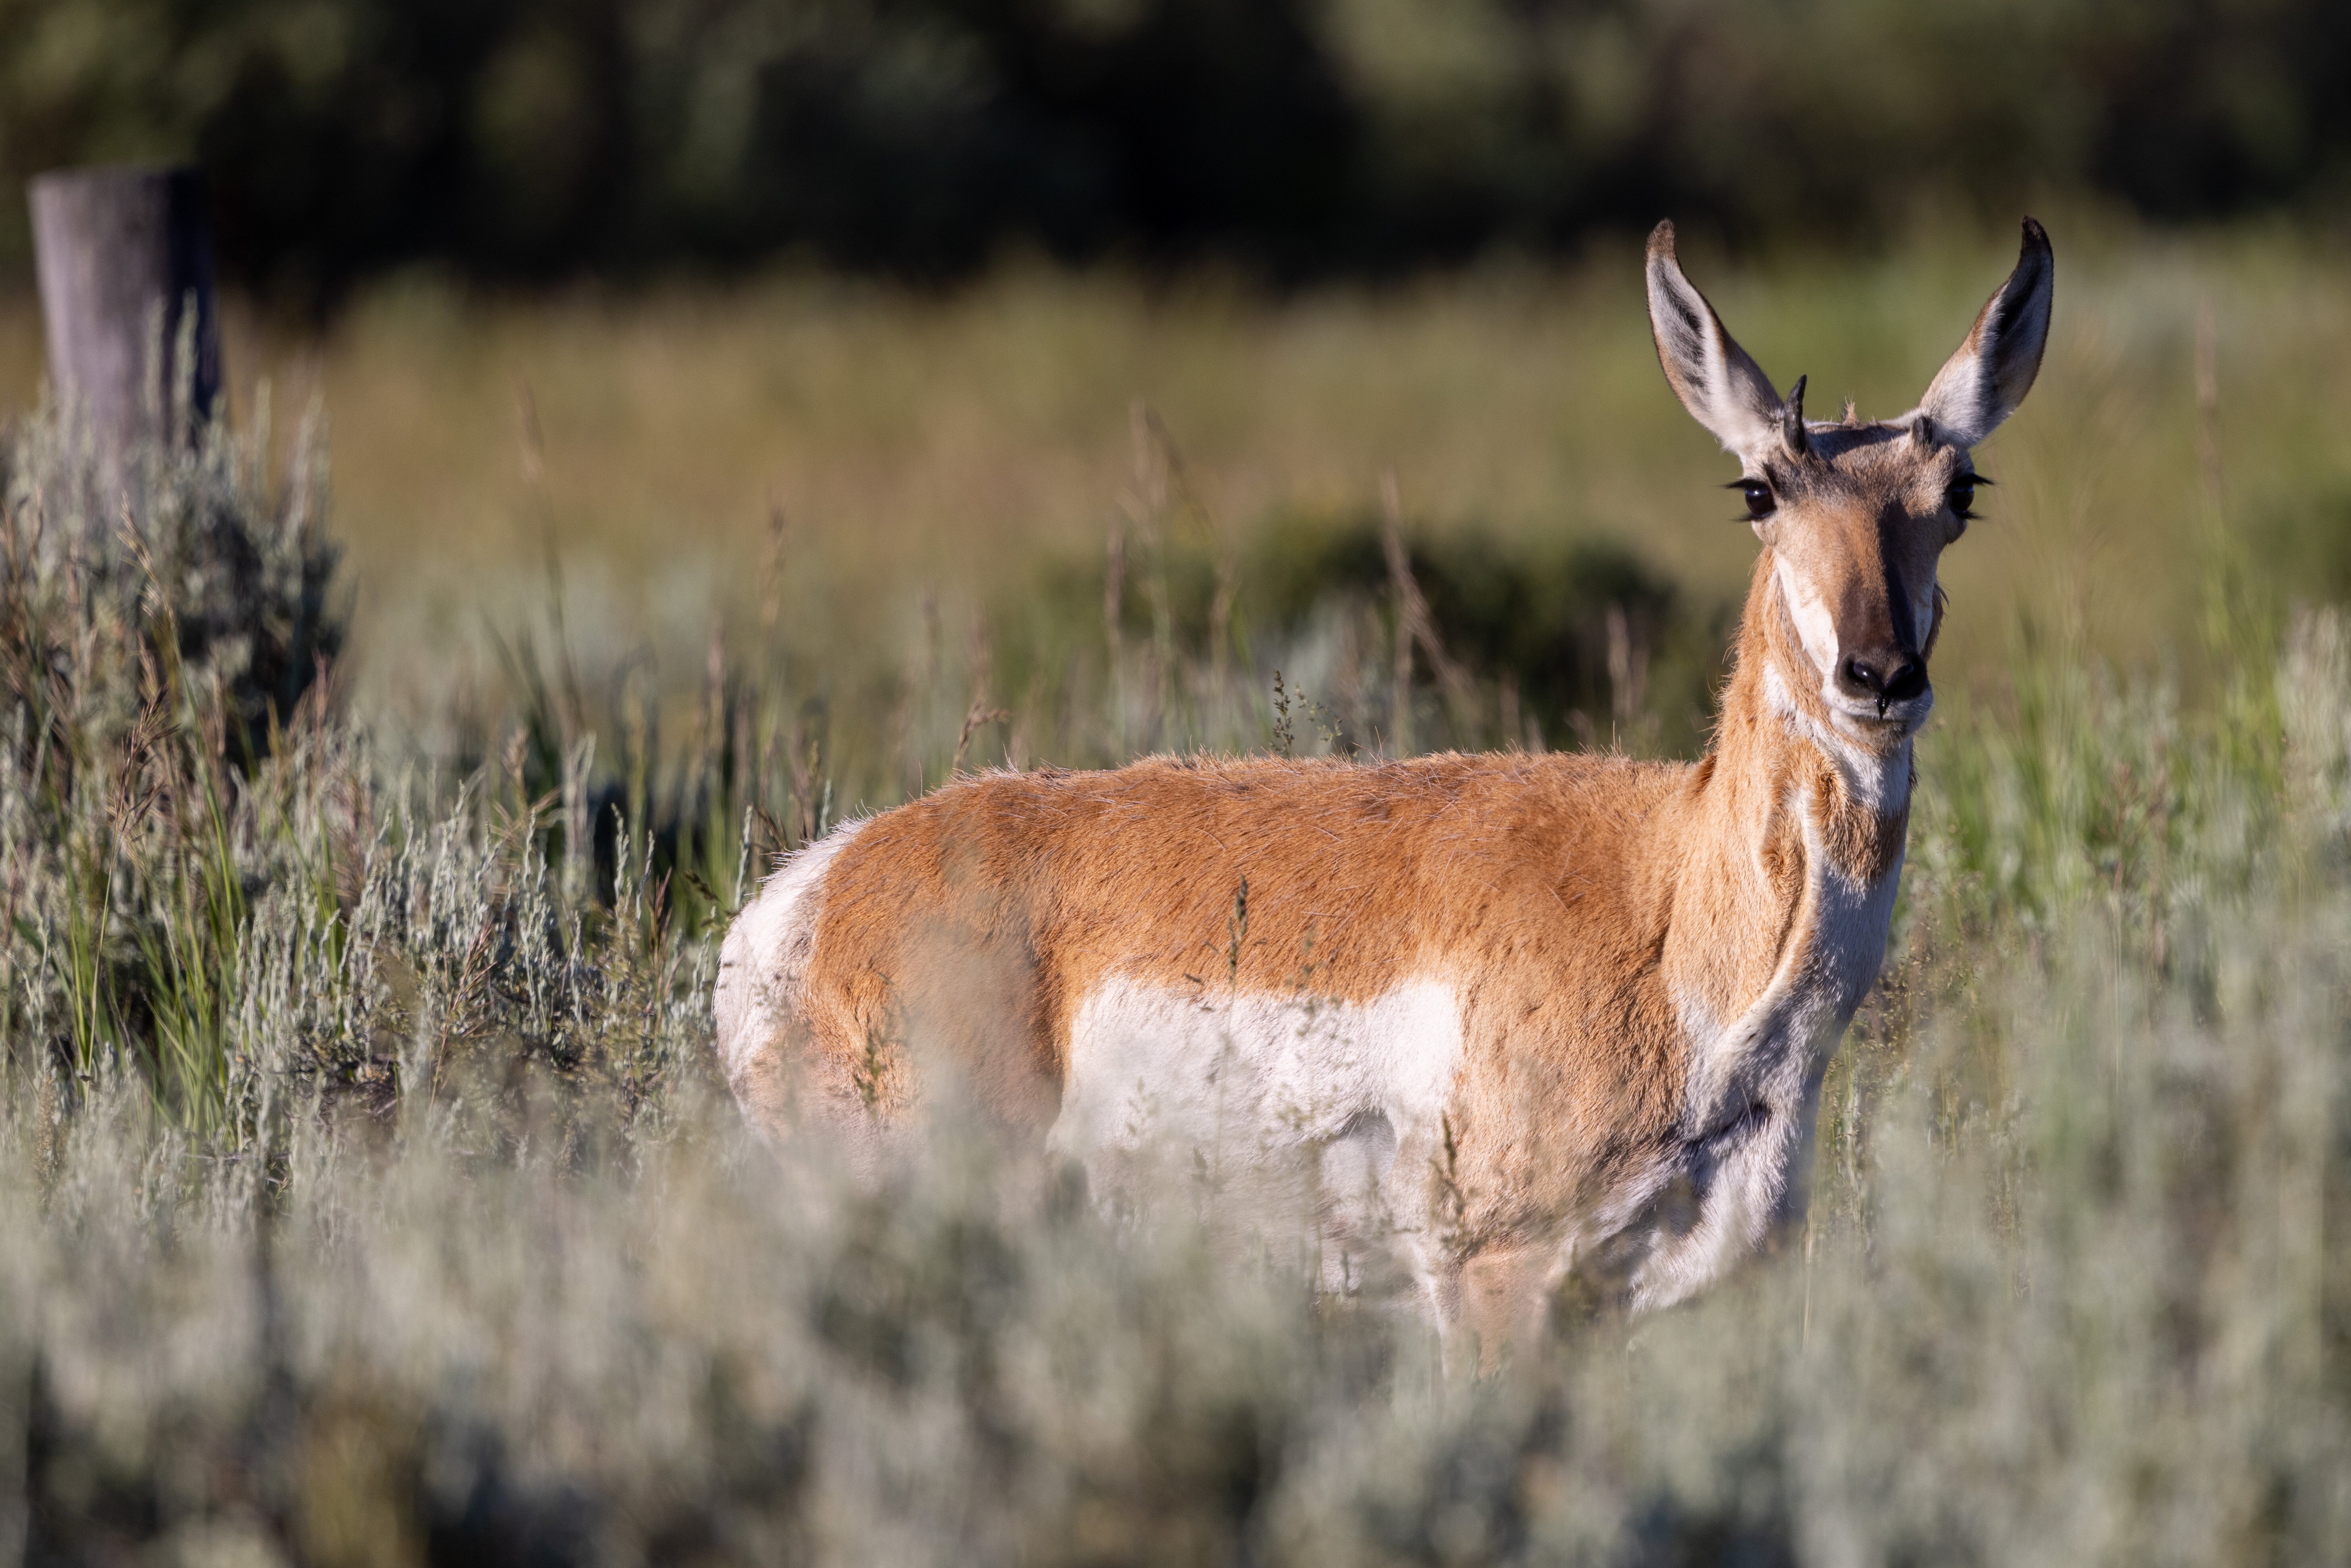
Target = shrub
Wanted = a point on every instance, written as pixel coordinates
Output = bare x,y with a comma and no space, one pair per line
441,1247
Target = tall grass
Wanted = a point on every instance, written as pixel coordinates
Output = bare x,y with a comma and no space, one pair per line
365,1198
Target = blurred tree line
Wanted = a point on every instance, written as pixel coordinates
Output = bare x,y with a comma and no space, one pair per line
528,138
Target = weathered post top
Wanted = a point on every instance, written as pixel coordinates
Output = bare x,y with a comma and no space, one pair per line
122,253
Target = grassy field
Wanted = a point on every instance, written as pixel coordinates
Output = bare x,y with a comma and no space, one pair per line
957,446
365,1196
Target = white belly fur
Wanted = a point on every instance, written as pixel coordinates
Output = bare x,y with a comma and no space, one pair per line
1275,1109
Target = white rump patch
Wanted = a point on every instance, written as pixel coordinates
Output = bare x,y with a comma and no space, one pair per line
765,956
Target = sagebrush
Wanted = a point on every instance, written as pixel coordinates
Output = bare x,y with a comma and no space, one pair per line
367,1198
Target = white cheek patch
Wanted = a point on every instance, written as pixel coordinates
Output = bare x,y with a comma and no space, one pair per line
1814,622
1922,614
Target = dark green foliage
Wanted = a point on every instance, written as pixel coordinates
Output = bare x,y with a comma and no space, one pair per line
525,138
1589,641
1537,618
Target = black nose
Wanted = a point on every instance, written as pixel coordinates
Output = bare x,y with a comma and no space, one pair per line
1891,676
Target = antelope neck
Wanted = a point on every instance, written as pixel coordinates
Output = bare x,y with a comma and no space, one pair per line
1787,817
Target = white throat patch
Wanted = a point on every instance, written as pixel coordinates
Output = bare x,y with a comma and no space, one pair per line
1879,780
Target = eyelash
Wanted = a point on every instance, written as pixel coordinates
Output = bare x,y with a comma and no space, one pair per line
1760,502
1963,509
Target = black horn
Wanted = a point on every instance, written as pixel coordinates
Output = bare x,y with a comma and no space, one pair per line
1792,419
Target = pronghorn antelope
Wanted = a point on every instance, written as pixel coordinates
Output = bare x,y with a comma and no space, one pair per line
1525,1015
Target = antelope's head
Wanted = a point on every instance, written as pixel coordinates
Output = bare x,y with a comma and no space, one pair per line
1856,515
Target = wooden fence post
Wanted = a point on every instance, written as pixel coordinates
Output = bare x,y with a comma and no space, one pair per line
122,253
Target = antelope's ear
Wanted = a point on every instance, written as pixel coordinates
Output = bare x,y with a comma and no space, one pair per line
1723,389
1983,382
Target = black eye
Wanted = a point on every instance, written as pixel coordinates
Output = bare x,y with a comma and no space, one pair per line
1758,496
1962,496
